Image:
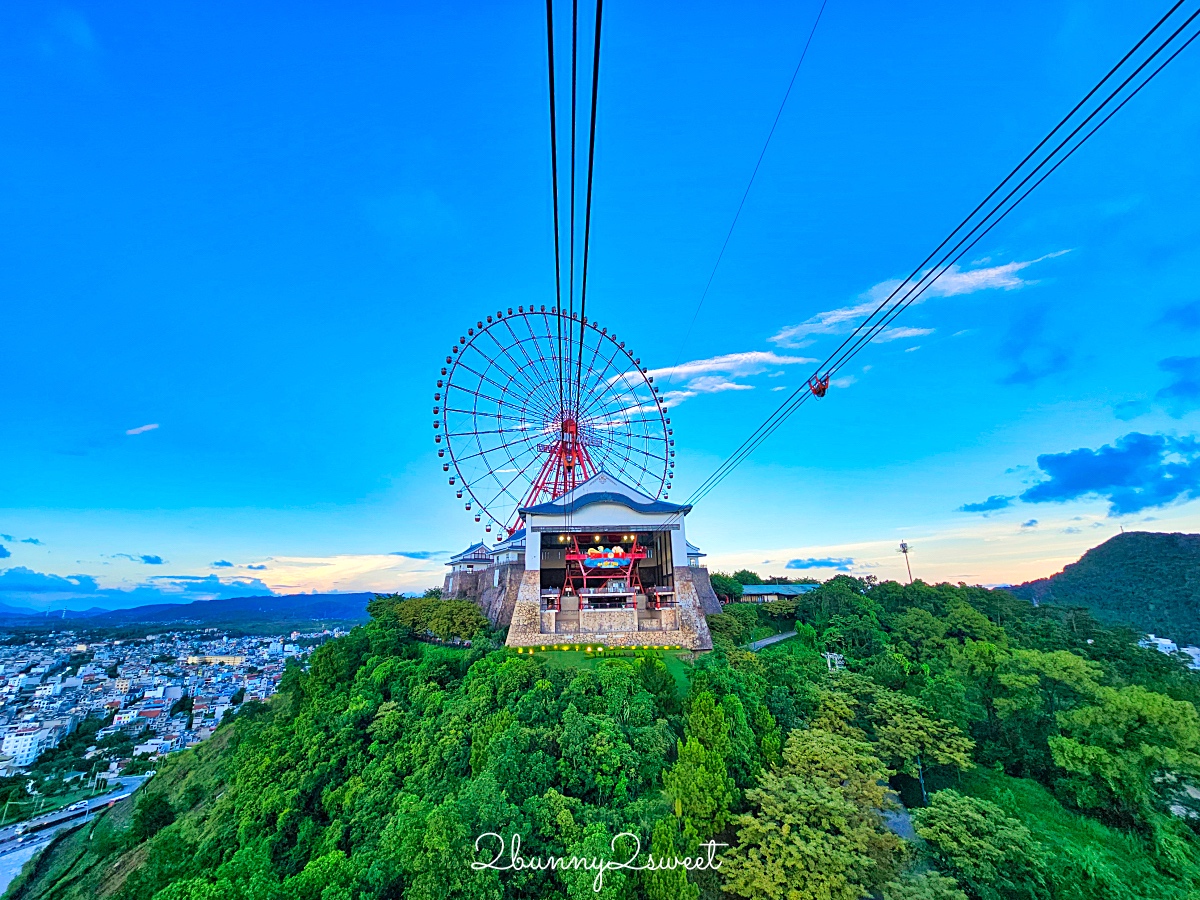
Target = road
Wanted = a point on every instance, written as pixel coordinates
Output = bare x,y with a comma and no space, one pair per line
773,639
16,850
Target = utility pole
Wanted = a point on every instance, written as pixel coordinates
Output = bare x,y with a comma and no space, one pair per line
907,564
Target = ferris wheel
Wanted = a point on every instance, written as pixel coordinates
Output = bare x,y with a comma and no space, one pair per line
532,402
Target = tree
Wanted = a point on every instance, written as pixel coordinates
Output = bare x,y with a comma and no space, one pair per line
699,785
153,813
815,832
925,886
728,588
456,618
667,884
1126,751
745,576
910,738
990,852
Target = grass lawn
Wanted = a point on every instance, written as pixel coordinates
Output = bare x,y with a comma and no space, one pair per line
581,659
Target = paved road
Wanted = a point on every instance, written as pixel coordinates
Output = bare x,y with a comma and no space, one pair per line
16,849
773,639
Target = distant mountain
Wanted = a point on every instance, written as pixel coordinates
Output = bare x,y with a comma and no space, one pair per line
264,614
1141,578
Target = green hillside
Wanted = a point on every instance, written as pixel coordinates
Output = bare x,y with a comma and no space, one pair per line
372,774
1144,579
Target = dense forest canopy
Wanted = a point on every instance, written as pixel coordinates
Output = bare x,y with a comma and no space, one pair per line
1037,754
1148,580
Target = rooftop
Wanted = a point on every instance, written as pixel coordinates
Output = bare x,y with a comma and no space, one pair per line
783,590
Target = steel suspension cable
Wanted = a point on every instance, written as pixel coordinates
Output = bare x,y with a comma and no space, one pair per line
587,216
839,358
746,193
554,179
574,158
942,266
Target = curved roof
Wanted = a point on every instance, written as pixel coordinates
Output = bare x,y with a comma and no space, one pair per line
557,508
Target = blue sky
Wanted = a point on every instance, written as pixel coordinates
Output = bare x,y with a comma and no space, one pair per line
236,243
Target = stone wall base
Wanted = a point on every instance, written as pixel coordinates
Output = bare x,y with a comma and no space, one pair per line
528,620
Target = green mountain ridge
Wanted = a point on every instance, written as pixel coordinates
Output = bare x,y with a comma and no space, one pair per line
1148,580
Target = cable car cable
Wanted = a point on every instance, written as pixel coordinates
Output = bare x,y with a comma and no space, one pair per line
746,193
574,157
798,397
773,422
587,217
946,261
554,179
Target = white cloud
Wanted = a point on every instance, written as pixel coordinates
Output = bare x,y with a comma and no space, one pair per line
142,428
912,349
896,334
843,382
953,282
751,362
717,374
714,384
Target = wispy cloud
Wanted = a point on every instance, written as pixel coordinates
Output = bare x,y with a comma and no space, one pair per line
718,374
991,504
257,568
896,334
420,554
146,559
222,564
34,541
142,429
955,282
751,362
839,564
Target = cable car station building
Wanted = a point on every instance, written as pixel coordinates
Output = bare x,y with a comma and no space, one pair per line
601,564
606,564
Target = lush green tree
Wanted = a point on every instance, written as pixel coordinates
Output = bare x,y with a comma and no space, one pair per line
910,738
667,883
991,853
1126,751
152,814
923,886
728,588
815,830
745,576
699,786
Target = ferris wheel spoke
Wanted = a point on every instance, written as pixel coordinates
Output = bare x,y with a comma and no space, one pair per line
503,388
654,476
505,490
544,362
483,451
490,415
525,382
598,380
587,372
532,384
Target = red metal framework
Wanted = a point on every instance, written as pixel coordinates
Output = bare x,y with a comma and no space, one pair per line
592,571
531,403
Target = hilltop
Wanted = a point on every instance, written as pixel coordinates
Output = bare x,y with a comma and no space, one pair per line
264,615
1145,579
